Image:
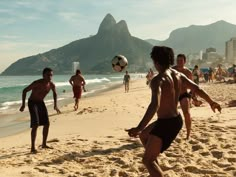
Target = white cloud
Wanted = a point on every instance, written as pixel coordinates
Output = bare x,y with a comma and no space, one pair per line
5,10
10,37
69,16
14,46
24,3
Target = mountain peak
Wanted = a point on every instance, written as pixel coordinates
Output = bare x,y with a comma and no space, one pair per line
107,23
122,26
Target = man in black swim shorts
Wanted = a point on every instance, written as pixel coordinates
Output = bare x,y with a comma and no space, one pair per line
38,111
166,89
185,97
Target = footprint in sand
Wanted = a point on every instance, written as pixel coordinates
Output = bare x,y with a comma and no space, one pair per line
199,170
231,152
113,172
233,160
203,140
123,174
42,170
29,173
231,169
197,147
205,153
217,154
221,164
89,174
172,154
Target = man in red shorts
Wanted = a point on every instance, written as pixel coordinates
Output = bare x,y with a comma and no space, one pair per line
77,81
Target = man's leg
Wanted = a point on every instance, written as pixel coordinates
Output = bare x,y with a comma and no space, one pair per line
45,135
185,106
153,148
76,104
145,134
33,138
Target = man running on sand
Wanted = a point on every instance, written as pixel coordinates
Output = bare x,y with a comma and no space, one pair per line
38,111
77,81
166,88
185,96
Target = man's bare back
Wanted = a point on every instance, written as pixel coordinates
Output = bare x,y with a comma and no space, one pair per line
167,84
77,80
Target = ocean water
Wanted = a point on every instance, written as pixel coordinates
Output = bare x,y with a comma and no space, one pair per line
11,92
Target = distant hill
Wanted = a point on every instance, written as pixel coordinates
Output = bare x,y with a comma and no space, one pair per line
94,53
194,38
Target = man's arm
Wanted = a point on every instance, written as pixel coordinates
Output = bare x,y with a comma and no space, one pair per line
83,80
24,92
55,98
71,81
189,74
196,89
151,110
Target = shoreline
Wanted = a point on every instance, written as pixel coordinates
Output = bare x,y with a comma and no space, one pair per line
19,121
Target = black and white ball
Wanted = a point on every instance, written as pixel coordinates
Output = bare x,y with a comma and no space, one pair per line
119,63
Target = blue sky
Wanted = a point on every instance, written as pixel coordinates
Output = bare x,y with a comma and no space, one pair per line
29,27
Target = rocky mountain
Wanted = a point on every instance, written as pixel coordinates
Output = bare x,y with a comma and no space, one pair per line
194,38
94,53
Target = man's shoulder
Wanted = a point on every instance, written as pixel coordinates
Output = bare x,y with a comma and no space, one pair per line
51,83
157,78
72,77
38,81
187,70
174,67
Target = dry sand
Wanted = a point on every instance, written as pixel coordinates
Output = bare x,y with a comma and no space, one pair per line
92,141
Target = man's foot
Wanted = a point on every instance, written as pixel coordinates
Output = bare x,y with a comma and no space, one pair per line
46,147
33,151
197,103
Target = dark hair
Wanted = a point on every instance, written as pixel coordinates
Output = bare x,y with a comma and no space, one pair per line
182,56
78,72
163,55
46,70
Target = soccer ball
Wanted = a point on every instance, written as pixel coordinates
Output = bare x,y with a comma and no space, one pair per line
119,62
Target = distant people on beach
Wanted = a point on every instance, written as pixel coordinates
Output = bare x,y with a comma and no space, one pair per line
234,73
78,83
196,74
38,111
206,76
220,73
210,74
185,95
166,89
126,81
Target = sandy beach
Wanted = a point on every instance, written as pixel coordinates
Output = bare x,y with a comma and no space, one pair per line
92,142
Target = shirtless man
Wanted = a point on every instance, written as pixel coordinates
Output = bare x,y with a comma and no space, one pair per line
77,81
185,97
166,88
38,111
126,81
220,73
